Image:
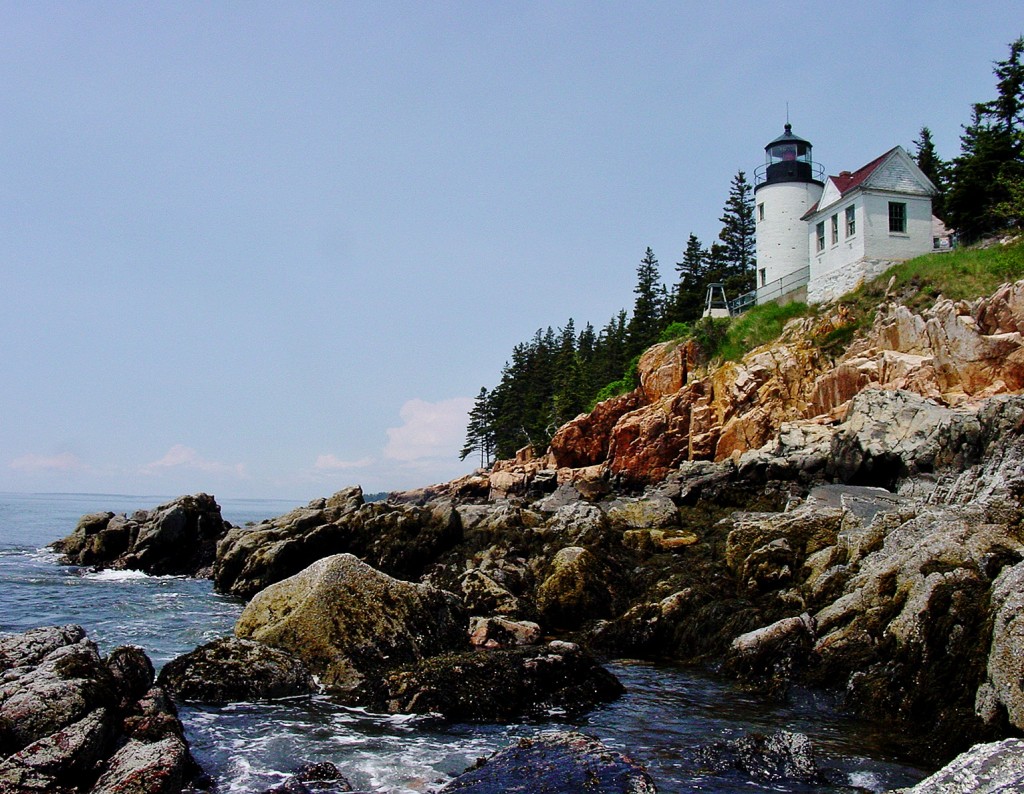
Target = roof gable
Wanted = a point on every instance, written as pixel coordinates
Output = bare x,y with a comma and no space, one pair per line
895,171
898,172
829,196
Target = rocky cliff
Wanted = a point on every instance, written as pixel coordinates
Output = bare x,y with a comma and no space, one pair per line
955,353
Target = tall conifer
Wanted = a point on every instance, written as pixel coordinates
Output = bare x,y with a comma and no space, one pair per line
737,235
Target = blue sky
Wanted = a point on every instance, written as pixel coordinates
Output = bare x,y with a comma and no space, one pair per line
274,249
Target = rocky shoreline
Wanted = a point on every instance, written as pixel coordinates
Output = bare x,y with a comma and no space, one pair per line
851,524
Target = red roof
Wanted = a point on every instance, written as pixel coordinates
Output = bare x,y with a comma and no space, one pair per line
847,181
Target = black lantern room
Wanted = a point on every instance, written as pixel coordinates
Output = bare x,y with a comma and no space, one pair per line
788,159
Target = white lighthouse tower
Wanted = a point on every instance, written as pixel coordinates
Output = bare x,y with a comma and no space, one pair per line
786,187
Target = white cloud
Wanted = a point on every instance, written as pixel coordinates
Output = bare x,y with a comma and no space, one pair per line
65,461
181,457
430,430
334,463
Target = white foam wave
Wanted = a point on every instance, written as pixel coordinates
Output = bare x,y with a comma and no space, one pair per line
110,575
865,780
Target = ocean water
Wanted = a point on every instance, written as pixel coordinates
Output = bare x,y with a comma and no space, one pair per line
667,714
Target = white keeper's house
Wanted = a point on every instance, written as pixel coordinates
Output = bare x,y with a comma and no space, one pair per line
826,235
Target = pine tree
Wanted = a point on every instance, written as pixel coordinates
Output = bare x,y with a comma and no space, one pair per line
737,236
480,431
645,324
991,162
933,167
688,297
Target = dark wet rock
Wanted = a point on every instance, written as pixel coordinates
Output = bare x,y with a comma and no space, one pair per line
132,672
232,670
495,632
555,763
766,550
538,681
347,621
179,537
71,721
984,769
323,777
399,539
773,655
161,767
771,758
576,589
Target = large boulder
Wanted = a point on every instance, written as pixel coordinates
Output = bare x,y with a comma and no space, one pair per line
71,721
346,620
576,589
500,685
231,670
179,537
554,763
399,539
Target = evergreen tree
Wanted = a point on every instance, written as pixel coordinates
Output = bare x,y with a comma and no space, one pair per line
569,399
645,325
688,299
991,161
934,167
480,431
737,236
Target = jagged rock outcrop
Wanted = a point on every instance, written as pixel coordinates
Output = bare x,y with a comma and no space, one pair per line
994,768
396,539
954,353
555,763
176,538
230,670
71,721
346,621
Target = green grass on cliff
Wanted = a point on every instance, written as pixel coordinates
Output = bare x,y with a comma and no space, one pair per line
756,327
963,274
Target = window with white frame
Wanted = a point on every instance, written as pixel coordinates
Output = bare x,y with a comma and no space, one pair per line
897,217
835,229
760,211
851,221
820,231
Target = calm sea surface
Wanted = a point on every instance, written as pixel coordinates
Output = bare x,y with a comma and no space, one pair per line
666,715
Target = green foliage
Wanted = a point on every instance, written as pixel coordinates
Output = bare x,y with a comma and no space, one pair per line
758,326
676,331
991,161
629,381
648,307
737,237
709,334
934,167
480,435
